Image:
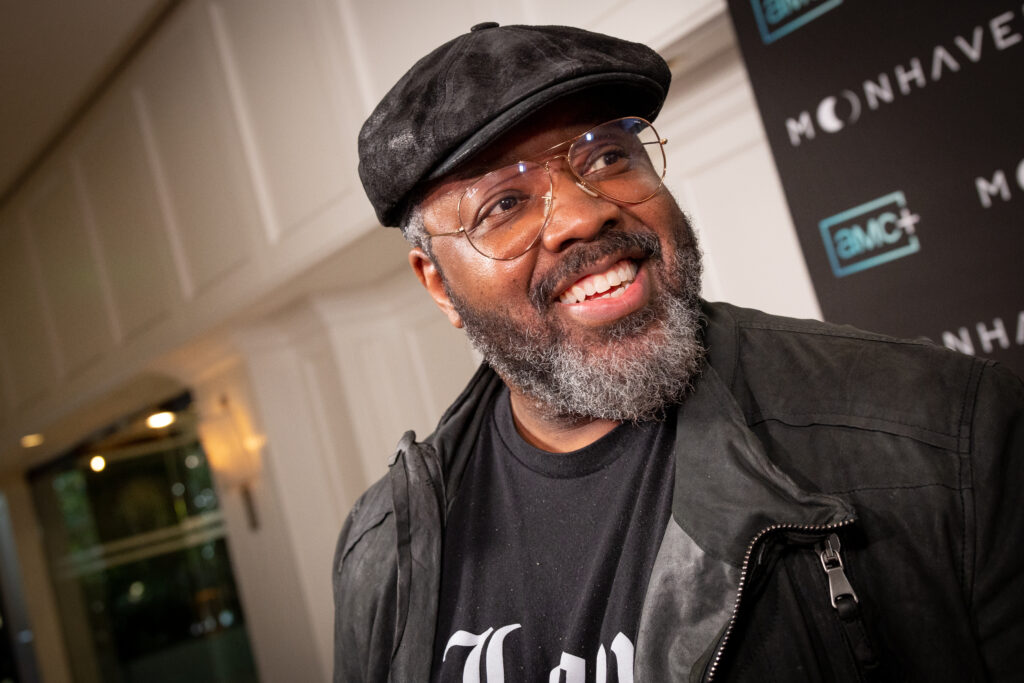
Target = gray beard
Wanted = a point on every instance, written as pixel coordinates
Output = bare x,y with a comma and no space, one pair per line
641,364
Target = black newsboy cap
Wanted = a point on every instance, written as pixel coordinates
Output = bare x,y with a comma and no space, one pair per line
463,95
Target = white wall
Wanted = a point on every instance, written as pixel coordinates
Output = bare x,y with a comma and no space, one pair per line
205,222
264,551
721,171
215,169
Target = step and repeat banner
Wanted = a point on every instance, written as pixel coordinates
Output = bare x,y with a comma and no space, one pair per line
898,132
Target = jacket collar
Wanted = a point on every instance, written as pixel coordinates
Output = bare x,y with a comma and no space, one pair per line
456,434
727,490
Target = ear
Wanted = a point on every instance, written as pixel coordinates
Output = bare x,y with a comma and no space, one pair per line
430,277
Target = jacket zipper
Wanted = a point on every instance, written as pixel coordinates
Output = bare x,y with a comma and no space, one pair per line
838,585
745,570
847,606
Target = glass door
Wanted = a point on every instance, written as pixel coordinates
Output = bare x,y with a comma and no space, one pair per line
137,551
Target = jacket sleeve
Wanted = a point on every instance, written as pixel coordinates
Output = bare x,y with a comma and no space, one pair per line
364,579
996,466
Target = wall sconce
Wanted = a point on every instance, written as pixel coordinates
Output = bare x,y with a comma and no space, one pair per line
234,452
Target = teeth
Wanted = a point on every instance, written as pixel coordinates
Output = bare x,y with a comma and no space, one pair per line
606,284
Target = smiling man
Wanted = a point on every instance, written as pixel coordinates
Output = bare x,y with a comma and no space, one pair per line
587,299
638,485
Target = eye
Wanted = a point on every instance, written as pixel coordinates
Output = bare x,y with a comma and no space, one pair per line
504,204
606,161
498,205
499,209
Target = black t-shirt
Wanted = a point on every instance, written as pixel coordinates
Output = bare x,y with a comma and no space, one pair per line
547,556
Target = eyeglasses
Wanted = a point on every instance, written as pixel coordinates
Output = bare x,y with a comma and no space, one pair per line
504,213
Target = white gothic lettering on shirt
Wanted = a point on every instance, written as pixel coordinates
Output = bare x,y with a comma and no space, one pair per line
572,666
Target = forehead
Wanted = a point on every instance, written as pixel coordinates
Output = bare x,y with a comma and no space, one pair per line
555,123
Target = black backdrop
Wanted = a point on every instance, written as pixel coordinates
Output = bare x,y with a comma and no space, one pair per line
898,132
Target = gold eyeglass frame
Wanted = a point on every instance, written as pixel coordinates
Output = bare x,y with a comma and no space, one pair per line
549,198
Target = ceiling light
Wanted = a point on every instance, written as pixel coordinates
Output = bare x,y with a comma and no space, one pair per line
31,440
97,463
160,420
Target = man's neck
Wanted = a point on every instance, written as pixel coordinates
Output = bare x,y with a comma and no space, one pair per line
557,435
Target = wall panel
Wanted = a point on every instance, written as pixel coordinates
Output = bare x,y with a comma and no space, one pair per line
302,152
401,363
24,333
375,378
6,389
293,464
197,150
121,195
388,36
441,355
655,22
329,414
582,13
71,278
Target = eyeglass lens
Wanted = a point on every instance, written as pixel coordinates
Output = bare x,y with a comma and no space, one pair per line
504,211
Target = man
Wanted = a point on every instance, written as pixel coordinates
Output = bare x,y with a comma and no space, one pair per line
638,485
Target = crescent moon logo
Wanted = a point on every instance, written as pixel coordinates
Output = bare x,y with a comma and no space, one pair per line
828,119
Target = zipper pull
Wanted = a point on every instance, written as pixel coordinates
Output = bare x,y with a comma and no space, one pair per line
847,606
838,585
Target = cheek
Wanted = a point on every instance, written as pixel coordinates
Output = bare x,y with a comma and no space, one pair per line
664,216
497,287
481,280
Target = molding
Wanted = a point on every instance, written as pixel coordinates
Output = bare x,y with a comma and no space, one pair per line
102,271
329,449
293,326
163,194
7,411
358,55
128,57
194,363
246,130
691,28
377,302
45,309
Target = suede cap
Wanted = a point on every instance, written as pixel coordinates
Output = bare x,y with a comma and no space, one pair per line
459,98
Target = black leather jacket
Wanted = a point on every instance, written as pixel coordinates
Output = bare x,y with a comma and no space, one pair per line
801,439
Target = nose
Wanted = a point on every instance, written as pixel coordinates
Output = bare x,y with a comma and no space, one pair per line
577,212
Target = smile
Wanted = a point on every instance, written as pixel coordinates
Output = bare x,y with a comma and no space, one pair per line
610,284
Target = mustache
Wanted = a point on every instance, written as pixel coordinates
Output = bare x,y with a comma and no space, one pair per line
584,254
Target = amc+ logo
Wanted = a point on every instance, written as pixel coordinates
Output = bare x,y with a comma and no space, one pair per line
777,18
871,234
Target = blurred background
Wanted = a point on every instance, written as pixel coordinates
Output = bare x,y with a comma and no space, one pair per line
208,347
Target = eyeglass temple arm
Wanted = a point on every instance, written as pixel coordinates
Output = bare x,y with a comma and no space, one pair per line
445,234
